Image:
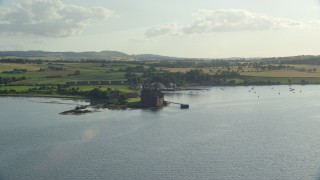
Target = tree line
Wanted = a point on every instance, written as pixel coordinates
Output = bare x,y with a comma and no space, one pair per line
192,77
9,80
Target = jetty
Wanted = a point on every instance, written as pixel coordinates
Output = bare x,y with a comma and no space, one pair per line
182,106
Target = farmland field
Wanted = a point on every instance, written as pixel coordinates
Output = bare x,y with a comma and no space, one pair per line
60,72
11,66
87,72
283,73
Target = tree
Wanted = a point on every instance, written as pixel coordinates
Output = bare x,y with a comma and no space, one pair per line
97,93
132,78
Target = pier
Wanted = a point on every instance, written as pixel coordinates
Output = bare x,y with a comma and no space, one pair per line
182,106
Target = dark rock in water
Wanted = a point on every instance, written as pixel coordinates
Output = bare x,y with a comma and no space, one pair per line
184,106
75,112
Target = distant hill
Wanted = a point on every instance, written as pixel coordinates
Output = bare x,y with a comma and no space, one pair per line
92,54
153,57
116,55
113,55
64,55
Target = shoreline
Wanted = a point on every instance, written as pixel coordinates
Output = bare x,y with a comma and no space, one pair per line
184,88
94,105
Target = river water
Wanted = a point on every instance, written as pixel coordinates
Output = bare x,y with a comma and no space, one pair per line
266,132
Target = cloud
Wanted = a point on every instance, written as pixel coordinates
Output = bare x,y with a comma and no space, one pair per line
50,18
170,28
230,20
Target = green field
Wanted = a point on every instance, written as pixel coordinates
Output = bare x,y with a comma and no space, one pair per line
88,72
17,88
47,74
134,100
121,88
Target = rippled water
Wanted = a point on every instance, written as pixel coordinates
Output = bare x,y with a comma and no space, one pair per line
228,133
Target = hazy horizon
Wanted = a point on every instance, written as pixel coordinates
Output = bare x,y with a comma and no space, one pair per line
193,29
163,55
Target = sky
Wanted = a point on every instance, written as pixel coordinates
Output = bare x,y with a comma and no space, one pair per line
180,28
